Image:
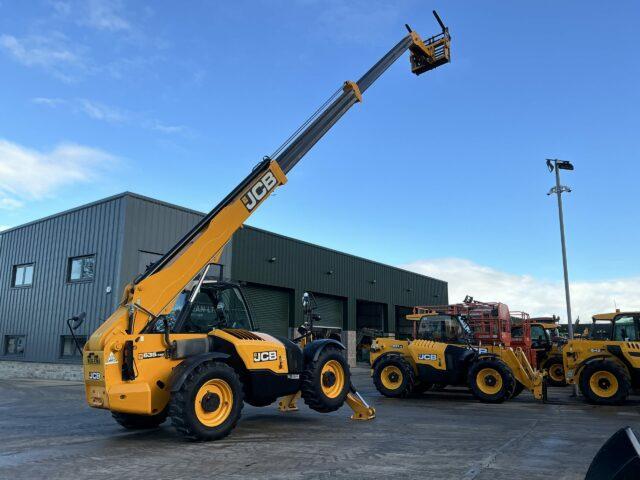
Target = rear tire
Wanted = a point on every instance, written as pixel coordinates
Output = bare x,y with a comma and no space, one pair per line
326,381
604,382
209,403
131,421
491,380
394,377
518,390
555,370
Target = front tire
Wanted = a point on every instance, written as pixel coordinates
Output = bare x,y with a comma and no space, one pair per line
209,403
326,381
393,377
131,421
604,382
491,380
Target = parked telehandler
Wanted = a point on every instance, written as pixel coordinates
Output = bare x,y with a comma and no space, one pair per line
541,342
460,345
158,355
547,343
606,364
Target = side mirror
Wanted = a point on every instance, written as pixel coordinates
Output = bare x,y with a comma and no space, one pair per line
308,303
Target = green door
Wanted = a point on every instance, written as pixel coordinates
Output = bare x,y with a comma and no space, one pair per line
330,309
269,308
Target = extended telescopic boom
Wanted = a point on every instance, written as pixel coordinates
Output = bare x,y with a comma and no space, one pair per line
153,291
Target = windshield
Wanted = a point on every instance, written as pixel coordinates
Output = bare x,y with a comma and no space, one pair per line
600,330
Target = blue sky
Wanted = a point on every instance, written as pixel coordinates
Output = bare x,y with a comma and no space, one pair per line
442,173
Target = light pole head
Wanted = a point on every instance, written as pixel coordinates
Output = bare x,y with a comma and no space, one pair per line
559,164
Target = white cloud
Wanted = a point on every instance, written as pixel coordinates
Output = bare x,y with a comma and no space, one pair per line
106,113
27,174
102,112
4,227
525,292
97,14
104,15
7,203
53,53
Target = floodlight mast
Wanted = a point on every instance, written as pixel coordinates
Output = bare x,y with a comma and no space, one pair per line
557,165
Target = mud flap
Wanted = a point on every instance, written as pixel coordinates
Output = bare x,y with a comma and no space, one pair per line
617,459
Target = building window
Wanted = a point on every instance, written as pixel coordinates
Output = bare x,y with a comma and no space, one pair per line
68,347
23,275
14,345
82,269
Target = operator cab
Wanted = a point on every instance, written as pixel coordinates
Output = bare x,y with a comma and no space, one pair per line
443,328
619,327
539,337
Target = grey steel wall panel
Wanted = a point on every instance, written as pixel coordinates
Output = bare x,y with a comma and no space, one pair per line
39,311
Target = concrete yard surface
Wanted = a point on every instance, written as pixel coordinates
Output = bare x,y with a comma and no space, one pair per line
47,431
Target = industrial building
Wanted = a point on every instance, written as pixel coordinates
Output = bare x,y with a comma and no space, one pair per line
80,260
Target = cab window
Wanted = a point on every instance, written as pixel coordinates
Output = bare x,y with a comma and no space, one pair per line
452,330
216,307
538,334
430,328
600,330
625,329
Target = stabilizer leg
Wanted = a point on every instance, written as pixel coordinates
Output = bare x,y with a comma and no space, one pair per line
361,409
289,403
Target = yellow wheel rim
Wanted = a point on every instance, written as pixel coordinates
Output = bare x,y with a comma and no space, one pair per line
332,378
213,402
604,384
556,372
391,377
489,381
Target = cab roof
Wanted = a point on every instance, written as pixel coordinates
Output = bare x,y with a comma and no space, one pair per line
611,316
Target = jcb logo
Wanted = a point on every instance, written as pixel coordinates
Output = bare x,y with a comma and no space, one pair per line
265,356
432,357
259,190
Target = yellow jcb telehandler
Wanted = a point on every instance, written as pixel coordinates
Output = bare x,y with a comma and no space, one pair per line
606,364
182,343
445,350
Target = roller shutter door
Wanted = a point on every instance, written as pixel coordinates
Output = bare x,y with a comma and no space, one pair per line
269,308
330,309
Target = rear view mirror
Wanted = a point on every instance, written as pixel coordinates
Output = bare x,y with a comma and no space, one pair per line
74,323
